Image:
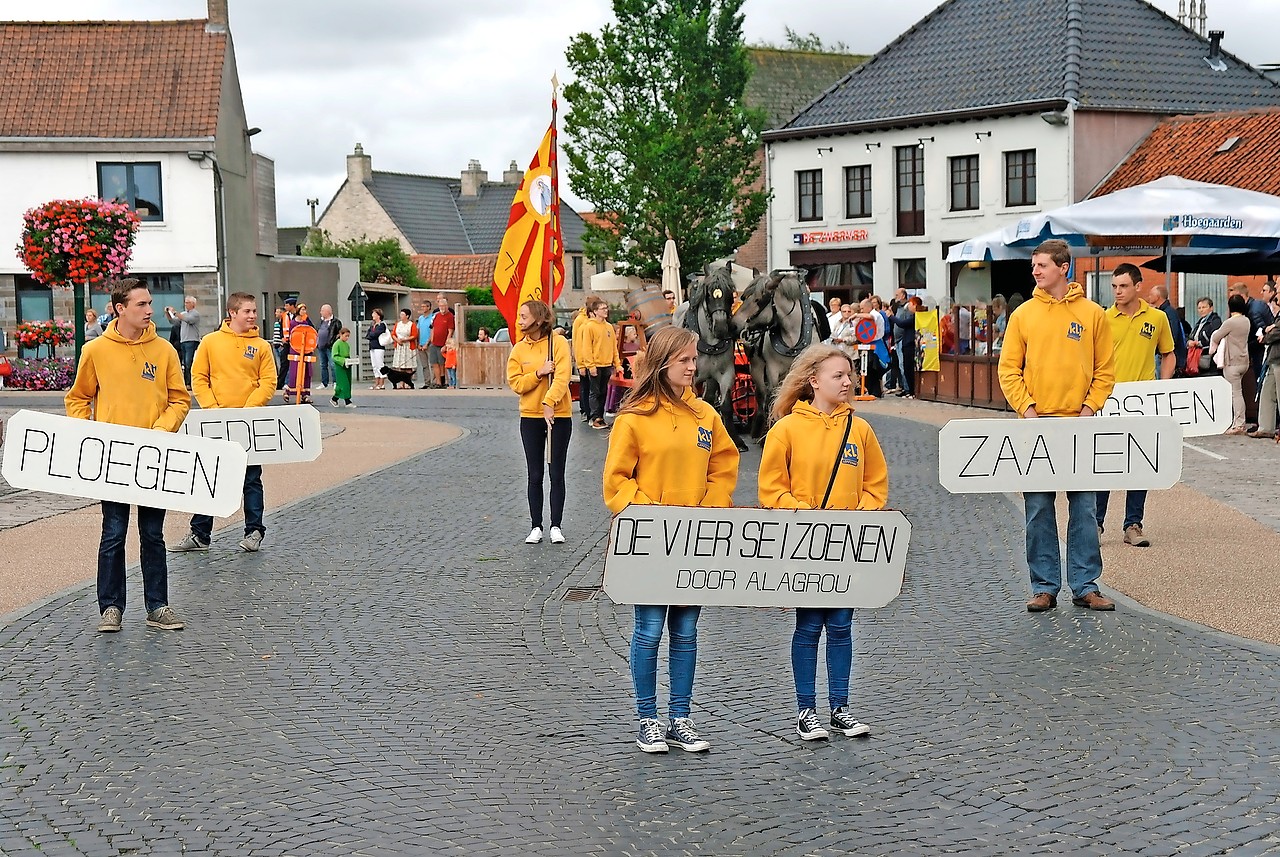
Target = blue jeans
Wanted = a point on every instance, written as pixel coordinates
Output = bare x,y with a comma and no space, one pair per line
187,351
324,356
1084,559
155,570
682,649
906,353
254,506
1135,503
804,654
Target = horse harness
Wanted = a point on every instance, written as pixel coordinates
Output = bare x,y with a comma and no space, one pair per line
714,349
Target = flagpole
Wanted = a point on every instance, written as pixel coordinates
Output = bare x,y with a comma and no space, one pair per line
553,236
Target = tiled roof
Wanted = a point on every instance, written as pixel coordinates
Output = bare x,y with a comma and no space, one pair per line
438,220
290,238
110,79
974,55
456,272
782,82
1188,146
597,219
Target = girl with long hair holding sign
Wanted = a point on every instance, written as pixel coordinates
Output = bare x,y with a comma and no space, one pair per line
818,455
670,448
545,407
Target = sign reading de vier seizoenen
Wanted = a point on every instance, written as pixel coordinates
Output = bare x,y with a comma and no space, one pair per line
756,557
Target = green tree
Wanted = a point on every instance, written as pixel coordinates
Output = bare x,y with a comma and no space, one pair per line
810,42
382,260
659,140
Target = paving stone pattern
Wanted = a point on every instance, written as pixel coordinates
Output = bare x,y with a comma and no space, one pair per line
396,673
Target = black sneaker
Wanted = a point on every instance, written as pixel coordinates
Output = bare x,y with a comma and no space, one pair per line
809,727
650,738
846,724
682,734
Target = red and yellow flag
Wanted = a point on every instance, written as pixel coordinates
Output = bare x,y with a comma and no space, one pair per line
531,260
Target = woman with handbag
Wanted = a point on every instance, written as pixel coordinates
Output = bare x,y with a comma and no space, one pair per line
1230,348
818,455
379,338
668,447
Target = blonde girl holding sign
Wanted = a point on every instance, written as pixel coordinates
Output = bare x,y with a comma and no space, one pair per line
668,447
818,455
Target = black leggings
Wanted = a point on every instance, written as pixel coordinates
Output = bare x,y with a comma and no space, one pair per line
533,434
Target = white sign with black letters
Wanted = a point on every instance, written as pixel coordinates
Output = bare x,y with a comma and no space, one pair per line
1202,406
1069,454
102,461
756,557
271,435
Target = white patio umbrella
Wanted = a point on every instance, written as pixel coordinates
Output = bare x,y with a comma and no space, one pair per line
671,270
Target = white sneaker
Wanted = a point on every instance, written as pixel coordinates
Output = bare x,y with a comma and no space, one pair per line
557,537
534,537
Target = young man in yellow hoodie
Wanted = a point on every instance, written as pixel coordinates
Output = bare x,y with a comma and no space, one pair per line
128,376
1058,362
234,368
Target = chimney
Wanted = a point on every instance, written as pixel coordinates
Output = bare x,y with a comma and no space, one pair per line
1215,43
217,22
359,166
513,174
472,178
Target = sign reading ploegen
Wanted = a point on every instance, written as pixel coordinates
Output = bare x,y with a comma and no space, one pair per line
994,456
270,435
755,557
1202,406
102,461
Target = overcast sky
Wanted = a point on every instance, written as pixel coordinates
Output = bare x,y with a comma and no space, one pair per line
426,85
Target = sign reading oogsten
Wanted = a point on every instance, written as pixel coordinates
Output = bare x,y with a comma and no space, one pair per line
271,435
102,461
1202,406
756,557
995,456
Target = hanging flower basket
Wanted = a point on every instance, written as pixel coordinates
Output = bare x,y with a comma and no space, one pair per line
44,334
71,241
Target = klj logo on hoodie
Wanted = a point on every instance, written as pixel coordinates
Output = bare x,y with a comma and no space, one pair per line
704,438
149,371
850,455
250,352
1075,331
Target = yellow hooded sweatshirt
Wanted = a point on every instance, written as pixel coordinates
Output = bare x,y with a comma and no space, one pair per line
578,321
143,382
800,453
233,370
597,345
1057,355
526,356
672,457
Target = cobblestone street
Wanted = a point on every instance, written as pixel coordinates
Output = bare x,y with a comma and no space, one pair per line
397,673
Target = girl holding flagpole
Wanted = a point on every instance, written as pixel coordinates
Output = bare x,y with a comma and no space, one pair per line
668,447
818,455
538,369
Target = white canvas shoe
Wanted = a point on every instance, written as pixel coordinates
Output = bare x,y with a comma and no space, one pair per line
557,537
534,537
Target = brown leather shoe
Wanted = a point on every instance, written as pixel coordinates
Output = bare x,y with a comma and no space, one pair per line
1042,602
1133,536
1092,600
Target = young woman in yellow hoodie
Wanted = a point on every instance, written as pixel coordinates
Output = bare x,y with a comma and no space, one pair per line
814,427
543,385
668,447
